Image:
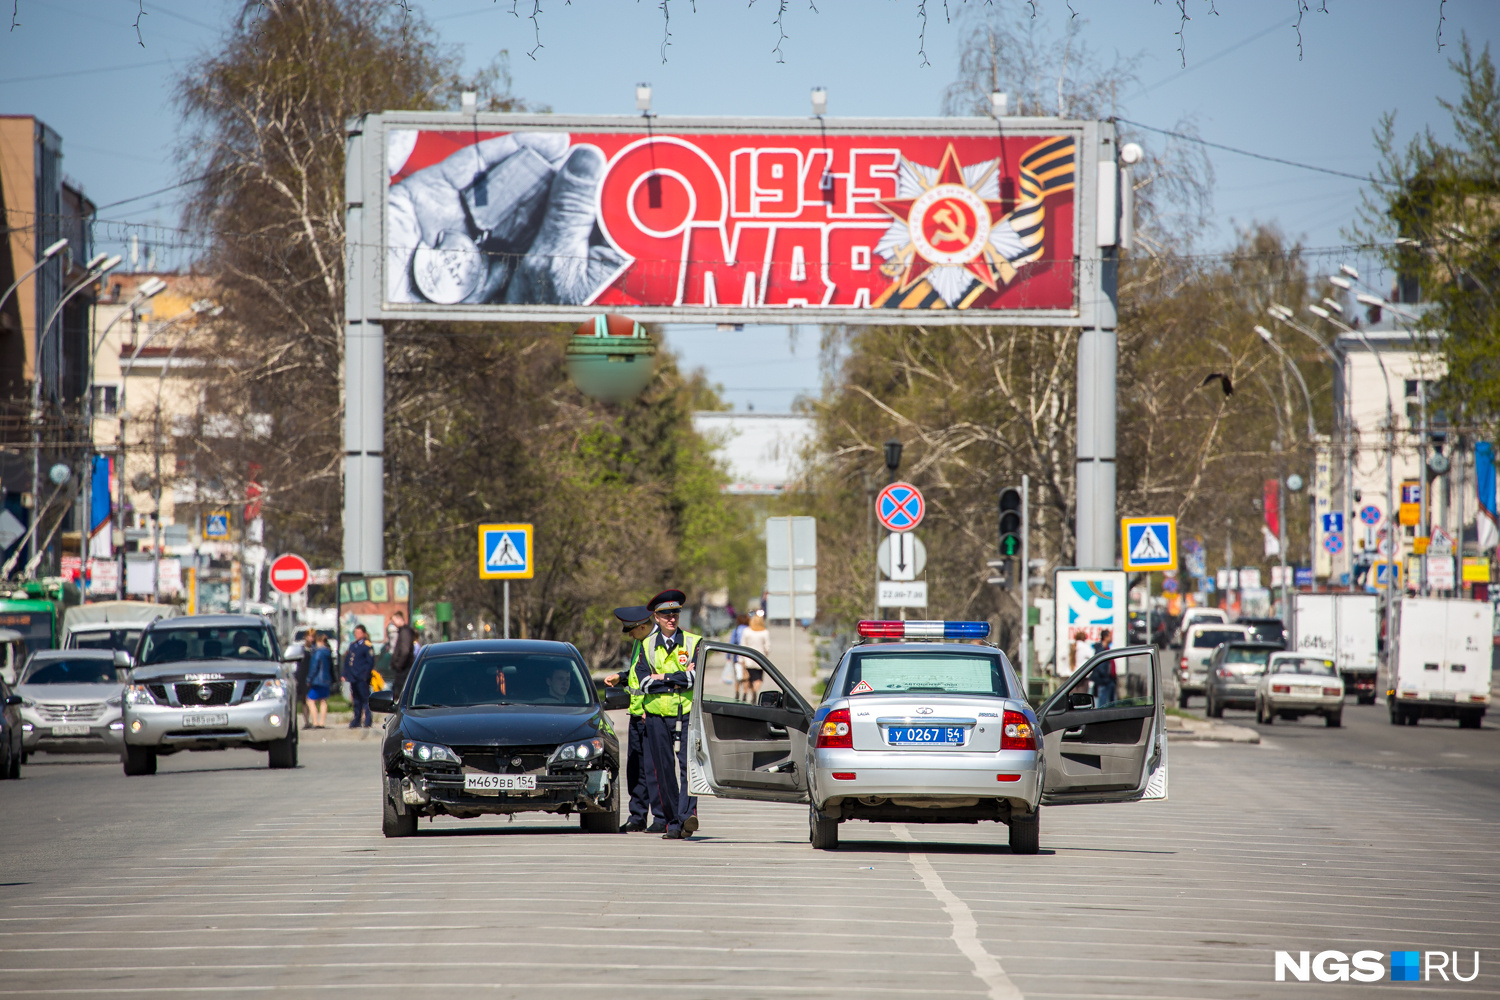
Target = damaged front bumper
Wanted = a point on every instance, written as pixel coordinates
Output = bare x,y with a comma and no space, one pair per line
442,793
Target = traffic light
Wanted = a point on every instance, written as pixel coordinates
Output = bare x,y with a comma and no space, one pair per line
1003,574
1010,522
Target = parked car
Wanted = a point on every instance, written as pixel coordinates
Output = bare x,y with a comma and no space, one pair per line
1198,645
71,701
939,731
497,727
1198,616
1233,673
1295,685
208,682
1268,630
11,751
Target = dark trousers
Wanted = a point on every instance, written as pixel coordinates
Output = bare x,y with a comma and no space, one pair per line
666,768
642,807
359,697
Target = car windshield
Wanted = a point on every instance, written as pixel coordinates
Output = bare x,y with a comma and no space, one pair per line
925,673
498,677
1302,665
1246,660
169,645
115,638
1215,637
79,671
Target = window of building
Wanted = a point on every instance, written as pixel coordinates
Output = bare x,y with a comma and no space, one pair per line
106,400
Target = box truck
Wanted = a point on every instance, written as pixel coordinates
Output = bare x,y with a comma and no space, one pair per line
1442,661
1346,629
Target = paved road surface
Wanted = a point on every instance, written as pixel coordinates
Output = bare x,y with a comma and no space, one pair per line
218,877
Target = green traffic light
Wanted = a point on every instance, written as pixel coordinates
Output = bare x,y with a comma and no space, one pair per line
1010,545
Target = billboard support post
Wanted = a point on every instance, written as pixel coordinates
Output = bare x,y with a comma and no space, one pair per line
364,365
1098,352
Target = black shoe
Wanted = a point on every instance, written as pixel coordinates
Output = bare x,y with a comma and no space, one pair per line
657,828
633,828
678,834
690,825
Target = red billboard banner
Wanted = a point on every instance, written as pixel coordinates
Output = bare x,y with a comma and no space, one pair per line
737,223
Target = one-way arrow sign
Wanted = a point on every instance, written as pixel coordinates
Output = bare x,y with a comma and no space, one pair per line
901,556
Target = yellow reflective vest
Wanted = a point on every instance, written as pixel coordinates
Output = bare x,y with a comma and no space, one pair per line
633,680
659,661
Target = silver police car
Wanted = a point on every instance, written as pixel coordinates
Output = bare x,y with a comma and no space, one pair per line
924,722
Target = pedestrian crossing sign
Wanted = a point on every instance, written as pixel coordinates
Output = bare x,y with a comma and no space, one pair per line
1149,543
505,552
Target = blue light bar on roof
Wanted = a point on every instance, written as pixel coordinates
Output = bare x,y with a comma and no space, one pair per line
924,630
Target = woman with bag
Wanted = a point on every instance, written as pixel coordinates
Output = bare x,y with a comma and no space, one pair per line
758,638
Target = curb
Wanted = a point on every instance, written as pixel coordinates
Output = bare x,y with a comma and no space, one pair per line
1209,731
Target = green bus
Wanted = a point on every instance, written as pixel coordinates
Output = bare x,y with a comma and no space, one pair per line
35,609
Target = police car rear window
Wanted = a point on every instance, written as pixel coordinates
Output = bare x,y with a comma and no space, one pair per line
925,673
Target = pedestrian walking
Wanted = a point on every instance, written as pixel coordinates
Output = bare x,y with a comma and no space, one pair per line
304,663
1103,674
319,680
738,663
668,705
758,638
403,652
359,664
636,622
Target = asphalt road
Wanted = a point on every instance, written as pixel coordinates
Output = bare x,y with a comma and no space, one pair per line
218,877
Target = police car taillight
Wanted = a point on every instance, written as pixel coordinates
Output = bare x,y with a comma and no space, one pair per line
1017,732
924,630
834,733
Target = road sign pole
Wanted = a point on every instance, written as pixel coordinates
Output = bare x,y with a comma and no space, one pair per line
505,630
1025,584
364,361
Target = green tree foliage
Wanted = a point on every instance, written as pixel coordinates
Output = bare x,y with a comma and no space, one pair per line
1435,209
482,423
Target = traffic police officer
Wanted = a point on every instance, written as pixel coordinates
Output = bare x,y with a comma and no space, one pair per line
637,623
667,704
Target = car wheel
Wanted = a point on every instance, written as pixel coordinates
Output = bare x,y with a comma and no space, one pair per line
1335,720
12,768
822,833
283,752
138,760
1026,833
1182,699
397,824
1260,712
603,822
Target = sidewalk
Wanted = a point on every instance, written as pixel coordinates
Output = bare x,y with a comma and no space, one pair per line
1190,728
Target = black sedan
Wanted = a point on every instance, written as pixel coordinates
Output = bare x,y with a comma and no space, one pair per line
495,726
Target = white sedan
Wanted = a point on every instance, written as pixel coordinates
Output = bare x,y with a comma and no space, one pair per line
1295,685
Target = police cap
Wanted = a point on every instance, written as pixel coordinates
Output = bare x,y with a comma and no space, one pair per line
667,600
633,616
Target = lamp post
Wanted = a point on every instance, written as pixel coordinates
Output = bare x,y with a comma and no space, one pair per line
1392,591
1294,481
97,268
47,254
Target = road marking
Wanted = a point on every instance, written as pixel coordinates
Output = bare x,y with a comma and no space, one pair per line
965,929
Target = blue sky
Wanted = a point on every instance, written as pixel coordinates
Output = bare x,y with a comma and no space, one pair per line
77,65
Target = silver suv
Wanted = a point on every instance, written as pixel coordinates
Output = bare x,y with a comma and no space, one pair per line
208,682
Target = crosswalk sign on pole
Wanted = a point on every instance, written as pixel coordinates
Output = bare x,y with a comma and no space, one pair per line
505,552
1149,543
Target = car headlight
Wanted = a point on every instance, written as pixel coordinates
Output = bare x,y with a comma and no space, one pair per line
28,702
271,690
426,753
582,750
116,701
139,694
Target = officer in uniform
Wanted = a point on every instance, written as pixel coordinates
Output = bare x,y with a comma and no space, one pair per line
667,704
637,623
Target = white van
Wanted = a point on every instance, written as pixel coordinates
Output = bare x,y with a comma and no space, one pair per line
113,625
1346,629
1442,658
1198,644
1198,616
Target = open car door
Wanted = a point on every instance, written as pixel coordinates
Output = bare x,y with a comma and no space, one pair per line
754,749
1104,735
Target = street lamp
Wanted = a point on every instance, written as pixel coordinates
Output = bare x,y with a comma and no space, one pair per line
47,255
892,457
97,267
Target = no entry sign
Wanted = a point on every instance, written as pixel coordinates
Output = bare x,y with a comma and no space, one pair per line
900,507
289,574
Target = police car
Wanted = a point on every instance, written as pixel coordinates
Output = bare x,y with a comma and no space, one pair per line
925,722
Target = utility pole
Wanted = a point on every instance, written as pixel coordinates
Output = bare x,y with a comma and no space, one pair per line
1025,584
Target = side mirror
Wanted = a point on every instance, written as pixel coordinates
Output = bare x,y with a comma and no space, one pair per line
123,660
12,699
291,654
1080,700
382,701
616,699
772,699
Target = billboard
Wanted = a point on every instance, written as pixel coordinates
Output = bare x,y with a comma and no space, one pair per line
546,217
1090,602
